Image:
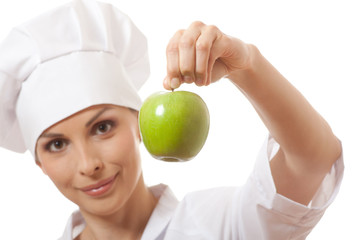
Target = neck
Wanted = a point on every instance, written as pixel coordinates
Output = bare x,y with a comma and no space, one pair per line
128,222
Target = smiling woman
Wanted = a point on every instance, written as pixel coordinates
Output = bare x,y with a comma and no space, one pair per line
88,143
93,159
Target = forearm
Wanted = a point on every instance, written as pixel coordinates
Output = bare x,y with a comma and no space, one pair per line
308,146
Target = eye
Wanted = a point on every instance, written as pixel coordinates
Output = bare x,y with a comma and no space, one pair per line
56,145
103,127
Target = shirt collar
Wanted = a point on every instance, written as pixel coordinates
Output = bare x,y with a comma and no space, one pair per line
162,213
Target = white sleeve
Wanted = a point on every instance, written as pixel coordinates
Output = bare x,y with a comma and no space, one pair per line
268,215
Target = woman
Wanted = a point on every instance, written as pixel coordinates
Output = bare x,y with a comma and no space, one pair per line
69,96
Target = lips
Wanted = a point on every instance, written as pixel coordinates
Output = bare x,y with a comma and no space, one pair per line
99,188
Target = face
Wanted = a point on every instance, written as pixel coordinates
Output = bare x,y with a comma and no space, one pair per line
93,157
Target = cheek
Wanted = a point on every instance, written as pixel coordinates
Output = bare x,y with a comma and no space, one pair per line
60,172
121,150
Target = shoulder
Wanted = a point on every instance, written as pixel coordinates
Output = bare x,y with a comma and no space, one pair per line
212,196
210,204
205,214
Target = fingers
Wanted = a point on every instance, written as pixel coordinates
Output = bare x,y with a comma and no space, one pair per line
188,54
172,56
205,57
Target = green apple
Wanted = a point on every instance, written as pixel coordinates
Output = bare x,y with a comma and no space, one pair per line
174,125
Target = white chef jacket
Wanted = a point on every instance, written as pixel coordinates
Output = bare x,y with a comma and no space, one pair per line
254,211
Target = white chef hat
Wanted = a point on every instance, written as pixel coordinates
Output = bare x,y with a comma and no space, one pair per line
81,54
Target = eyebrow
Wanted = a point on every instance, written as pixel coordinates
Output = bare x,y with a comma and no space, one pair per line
96,116
51,135
56,135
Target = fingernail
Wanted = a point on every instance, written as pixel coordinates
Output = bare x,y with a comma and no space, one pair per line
187,79
174,83
198,81
166,83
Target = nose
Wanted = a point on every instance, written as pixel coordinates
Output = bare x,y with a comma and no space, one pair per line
89,162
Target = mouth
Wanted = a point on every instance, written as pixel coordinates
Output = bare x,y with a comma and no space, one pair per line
100,188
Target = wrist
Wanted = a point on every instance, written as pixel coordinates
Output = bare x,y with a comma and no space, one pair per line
244,75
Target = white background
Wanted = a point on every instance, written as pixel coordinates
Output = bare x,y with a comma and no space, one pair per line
315,44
